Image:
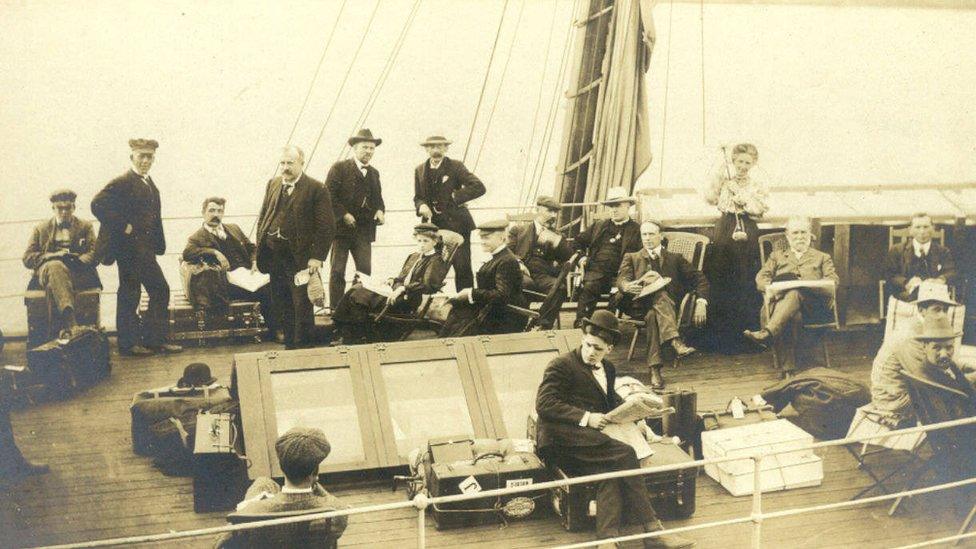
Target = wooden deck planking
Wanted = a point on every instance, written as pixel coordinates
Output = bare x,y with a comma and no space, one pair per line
98,488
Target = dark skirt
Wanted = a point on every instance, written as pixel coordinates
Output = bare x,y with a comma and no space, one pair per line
353,315
734,301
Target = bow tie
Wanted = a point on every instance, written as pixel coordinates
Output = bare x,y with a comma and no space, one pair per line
595,367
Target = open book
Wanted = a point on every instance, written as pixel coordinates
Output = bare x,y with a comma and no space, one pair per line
374,286
242,277
824,285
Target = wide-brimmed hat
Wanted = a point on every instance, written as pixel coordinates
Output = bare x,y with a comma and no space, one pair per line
934,291
364,135
936,329
617,195
604,320
548,202
436,140
196,375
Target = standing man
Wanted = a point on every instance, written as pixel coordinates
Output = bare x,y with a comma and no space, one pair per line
602,247
357,203
132,233
442,186
295,230
61,252
918,260
541,252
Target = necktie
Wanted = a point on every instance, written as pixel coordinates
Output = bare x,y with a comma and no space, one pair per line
146,180
288,188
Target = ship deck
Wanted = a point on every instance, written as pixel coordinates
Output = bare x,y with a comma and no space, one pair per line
99,489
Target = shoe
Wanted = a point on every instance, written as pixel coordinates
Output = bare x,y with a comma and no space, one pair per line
680,348
657,381
168,348
64,336
667,541
759,337
136,350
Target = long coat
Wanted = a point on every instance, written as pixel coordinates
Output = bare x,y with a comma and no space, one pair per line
898,262
499,284
308,224
463,185
119,204
522,239
567,392
684,277
82,236
202,244
353,193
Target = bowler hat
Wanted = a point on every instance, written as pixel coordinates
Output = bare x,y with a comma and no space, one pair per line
606,321
143,144
936,329
934,292
196,375
435,140
547,202
364,135
616,195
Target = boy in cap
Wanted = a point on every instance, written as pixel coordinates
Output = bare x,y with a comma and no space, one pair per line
542,252
61,252
484,310
132,233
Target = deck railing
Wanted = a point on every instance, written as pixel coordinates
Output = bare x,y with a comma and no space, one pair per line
757,517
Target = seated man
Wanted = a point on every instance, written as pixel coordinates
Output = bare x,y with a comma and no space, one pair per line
61,254
916,260
300,452
638,270
423,273
542,252
889,395
483,310
790,309
575,394
224,247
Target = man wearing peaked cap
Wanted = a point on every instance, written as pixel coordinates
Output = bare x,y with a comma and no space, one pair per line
542,252
132,233
484,310
442,188
61,254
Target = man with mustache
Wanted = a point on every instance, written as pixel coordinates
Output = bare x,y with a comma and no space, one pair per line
541,252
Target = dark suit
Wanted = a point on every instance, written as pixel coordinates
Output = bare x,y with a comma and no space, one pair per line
901,265
569,390
202,247
658,309
130,200
61,277
306,227
604,243
361,196
545,261
446,196
499,284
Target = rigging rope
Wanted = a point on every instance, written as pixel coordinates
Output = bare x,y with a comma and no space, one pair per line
501,84
538,100
384,74
352,63
484,85
701,18
664,115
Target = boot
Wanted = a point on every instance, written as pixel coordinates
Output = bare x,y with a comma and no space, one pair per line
680,348
657,380
667,541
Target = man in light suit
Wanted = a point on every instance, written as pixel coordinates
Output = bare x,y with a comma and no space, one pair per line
132,233
542,252
646,267
918,260
61,252
576,393
442,188
789,309
295,231
357,203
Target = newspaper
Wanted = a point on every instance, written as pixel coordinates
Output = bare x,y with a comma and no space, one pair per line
785,285
242,277
636,408
382,289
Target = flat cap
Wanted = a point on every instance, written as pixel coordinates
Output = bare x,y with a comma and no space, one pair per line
494,225
425,228
143,144
547,202
302,444
63,195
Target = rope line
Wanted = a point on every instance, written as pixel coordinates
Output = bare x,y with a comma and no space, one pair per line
484,84
701,18
342,86
501,84
667,80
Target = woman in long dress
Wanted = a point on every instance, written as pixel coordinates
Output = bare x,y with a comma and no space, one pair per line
423,273
733,257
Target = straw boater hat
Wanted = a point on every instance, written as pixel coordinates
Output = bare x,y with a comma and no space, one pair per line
364,135
936,329
617,195
435,140
929,292
145,145
606,321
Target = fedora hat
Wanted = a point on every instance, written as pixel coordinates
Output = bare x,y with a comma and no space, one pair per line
196,375
606,321
435,140
934,291
364,135
936,329
548,202
616,195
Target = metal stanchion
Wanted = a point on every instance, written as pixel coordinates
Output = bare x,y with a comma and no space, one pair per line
757,500
420,502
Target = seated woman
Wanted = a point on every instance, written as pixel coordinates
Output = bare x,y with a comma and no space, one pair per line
422,273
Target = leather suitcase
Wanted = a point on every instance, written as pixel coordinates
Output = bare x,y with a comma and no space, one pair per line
73,366
496,464
172,439
43,321
149,407
219,470
672,492
684,423
242,319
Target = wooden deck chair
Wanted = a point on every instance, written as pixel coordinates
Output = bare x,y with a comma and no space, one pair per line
866,422
422,318
692,247
898,236
312,534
